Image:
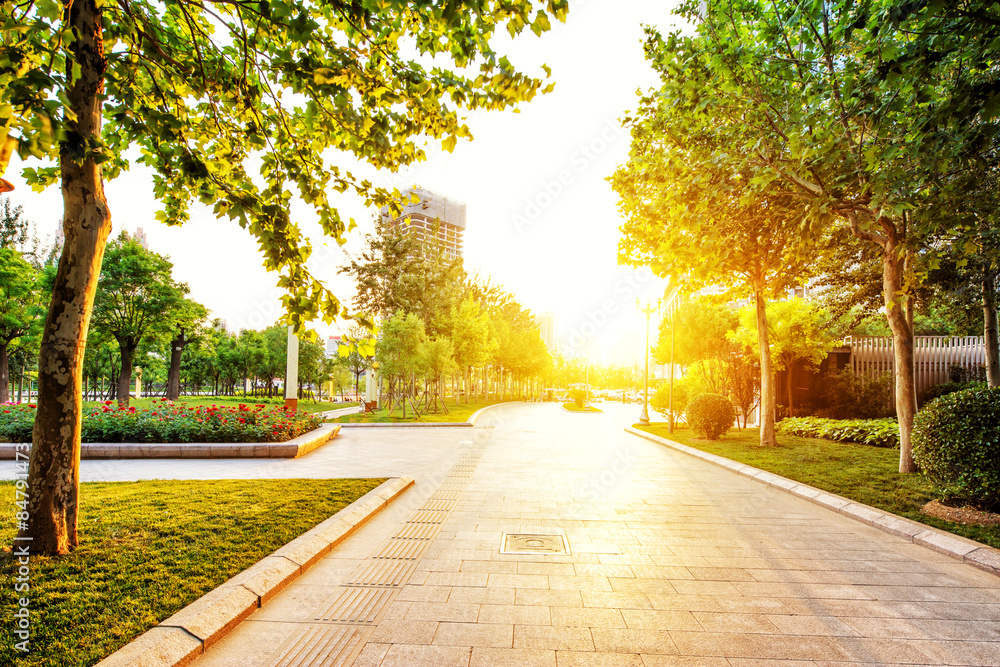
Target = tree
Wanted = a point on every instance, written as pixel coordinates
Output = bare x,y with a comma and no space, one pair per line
470,339
689,214
188,317
19,308
400,355
852,112
13,228
196,91
799,333
136,298
439,361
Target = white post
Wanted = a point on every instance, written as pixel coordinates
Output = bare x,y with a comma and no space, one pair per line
292,371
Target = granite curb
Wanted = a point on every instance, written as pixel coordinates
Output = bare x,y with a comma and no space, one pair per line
958,547
289,449
466,424
187,634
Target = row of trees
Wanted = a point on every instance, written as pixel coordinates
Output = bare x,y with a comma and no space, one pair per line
787,134
142,319
436,322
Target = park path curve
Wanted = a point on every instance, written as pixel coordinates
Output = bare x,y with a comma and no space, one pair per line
673,561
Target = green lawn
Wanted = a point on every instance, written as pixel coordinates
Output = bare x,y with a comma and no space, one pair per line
150,548
573,407
456,413
860,472
305,405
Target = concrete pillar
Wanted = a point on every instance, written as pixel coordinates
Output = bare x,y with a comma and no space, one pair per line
292,371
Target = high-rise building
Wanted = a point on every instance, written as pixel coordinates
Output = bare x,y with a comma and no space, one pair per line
140,237
546,323
434,217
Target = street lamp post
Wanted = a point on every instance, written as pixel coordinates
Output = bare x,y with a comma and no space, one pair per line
648,309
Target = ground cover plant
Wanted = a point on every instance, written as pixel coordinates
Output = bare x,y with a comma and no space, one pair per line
859,472
877,432
169,422
151,548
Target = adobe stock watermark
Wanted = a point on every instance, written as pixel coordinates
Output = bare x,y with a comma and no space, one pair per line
622,294
580,160
21,554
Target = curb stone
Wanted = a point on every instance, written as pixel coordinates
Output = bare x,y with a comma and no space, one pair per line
188,633
960,548
294,448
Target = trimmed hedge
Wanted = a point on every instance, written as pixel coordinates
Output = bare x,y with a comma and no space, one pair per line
956,443
711,415
876,432
939,390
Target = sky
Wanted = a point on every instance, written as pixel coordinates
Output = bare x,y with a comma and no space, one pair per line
542,218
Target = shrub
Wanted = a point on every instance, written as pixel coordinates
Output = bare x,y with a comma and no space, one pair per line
711,414
956,443
939,390
876,432
578,396
660,401
850,396
960,374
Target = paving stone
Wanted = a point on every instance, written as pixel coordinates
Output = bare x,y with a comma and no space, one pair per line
214,614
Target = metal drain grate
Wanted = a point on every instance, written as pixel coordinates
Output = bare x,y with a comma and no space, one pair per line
531,543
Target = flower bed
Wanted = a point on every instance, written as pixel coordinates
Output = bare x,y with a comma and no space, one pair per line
167,422
877,432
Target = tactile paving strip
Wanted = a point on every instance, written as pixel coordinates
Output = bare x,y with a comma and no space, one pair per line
323,645
345,620
357,605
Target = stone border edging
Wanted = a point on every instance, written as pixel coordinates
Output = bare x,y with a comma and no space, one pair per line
294,448
958,547
191,631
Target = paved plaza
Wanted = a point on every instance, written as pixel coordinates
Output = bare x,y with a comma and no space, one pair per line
672,561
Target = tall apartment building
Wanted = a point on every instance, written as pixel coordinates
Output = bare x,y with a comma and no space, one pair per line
546,323
434,216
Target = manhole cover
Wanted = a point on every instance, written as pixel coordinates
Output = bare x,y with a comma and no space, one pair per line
528,543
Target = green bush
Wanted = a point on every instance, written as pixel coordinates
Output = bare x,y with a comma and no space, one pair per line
578,396
877,432
956,443
711,415
850,396
660,401
939,390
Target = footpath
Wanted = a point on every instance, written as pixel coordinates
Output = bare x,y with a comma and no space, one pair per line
547,538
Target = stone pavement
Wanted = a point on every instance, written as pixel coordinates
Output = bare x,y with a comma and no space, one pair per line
353,453
673,561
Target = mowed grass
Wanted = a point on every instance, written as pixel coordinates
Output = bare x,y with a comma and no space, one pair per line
305,405
860,472
146,550
456,413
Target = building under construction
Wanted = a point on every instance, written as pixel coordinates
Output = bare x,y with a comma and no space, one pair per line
433,218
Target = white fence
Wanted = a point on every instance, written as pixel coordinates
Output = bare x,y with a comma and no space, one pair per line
933,356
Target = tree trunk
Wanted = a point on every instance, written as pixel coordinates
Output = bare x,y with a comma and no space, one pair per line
4,373
989,328
125,377
899,313
767,402
54,469
791,389
174,374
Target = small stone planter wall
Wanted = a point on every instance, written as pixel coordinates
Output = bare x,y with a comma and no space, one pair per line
289,449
